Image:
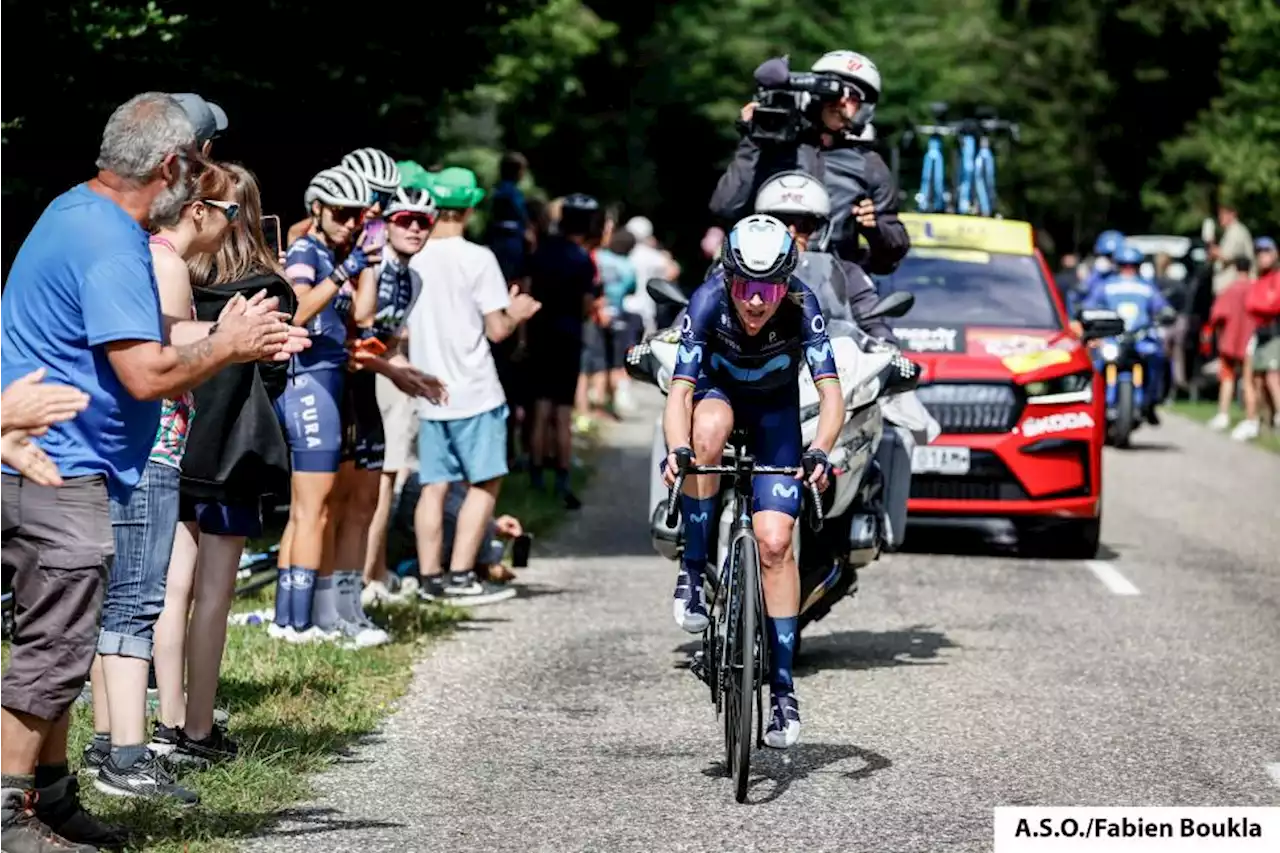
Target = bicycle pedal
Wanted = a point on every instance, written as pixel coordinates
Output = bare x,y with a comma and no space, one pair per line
697,665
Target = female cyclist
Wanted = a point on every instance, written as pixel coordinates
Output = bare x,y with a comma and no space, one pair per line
323,266
379,171
380,315
144,527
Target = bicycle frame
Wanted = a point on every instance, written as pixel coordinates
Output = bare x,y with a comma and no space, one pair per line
933,196
968,153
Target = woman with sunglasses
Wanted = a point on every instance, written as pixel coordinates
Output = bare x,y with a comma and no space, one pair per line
742,341
145,526
380,315
379,171
324,266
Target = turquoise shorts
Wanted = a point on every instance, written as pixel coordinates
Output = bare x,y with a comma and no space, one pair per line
472,450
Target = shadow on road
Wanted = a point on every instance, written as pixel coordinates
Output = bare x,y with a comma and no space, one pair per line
782,768
317,820
1139,446
857,650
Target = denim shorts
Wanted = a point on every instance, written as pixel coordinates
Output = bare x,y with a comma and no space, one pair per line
473,450
144,530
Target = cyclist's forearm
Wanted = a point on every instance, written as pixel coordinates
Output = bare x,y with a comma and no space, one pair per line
830,416
677,419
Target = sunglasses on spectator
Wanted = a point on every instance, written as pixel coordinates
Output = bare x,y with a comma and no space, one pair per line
229,208
405,219
770,292
343,215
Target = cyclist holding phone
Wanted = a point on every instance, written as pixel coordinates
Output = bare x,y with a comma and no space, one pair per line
379,171
742,340
323,266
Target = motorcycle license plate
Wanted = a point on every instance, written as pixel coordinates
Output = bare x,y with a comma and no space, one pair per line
940,460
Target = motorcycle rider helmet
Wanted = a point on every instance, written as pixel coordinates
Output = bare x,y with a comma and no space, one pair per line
759,251
1128,256
861,74
1108,243
797,199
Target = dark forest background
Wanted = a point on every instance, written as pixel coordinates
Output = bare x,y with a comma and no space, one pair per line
1137,115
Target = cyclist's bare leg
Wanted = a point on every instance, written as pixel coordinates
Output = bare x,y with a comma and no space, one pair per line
781,581
712,425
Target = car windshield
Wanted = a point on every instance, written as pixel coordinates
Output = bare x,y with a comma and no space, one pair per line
961,287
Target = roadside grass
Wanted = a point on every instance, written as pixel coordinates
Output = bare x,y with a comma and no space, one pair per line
296,709
1204,410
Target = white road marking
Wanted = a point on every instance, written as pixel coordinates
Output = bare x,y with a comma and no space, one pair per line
1111,577
1273,770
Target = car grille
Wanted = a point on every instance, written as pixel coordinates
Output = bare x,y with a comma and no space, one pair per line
988,479
972,407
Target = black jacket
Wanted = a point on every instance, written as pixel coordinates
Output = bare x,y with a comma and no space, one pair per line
236,449
848,170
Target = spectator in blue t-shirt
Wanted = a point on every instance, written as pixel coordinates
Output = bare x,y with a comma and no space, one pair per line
81,302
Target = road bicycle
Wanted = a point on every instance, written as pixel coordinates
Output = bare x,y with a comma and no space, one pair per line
933,196
977,191
734,662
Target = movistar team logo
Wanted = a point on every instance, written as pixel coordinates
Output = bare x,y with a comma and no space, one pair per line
788,491
698,517
685,355
819,353
750,374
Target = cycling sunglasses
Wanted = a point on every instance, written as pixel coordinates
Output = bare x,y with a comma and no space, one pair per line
770,292
343,215
406,218
229,208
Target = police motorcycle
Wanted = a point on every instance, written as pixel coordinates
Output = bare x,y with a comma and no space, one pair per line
853,533
1122,359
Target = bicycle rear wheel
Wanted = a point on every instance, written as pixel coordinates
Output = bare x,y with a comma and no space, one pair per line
743,687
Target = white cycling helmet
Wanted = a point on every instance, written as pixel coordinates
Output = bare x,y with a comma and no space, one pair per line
759,248
854,68
377,168
338,187
412,200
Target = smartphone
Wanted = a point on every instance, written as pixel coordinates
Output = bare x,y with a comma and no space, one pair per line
271,230
375,234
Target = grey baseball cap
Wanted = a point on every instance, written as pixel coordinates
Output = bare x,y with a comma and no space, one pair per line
207,117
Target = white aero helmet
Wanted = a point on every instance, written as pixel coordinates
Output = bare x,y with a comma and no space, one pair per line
794,193
338,187
759,248
411,200
854,68
377,168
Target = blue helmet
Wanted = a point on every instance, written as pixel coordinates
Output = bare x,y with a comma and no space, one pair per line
1128,255
1108,243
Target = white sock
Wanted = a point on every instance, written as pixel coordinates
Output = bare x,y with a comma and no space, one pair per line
348,584
324,609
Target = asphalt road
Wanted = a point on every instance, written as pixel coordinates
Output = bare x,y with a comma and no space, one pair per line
953,683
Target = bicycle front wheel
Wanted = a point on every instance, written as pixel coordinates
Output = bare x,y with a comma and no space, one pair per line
744,681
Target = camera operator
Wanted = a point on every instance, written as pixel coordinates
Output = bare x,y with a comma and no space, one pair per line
816,122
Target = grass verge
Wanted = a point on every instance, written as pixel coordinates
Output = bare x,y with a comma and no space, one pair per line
296,709
1204,410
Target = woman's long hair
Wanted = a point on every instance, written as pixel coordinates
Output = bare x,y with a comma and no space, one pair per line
244,252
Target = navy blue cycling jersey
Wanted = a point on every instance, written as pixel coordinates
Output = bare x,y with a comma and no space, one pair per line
713,343
398,289
309,262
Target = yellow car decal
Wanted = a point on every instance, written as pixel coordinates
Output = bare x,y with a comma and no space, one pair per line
1030,361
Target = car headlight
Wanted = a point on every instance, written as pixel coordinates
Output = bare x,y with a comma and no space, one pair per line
1110,351
1072,388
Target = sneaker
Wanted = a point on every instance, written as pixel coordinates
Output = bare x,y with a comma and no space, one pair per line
689,605
1219,422
429,589
164,739
216,748
280,632
92,759
58,807
1245,431
359,636
314,634
571,501
21,831
146,777
466,589
376,593
409,586
784,725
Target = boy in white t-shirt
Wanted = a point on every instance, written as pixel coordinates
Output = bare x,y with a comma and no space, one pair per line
465,304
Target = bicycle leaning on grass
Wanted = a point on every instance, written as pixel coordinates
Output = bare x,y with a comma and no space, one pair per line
734,661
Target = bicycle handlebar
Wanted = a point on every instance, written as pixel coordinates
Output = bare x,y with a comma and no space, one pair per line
684,461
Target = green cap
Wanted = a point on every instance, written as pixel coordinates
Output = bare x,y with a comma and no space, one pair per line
456,188
414,175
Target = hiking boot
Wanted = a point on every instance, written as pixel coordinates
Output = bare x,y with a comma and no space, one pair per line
58,807
21,831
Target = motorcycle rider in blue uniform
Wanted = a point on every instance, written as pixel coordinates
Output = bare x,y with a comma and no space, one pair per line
1104,250
743,337
1139,303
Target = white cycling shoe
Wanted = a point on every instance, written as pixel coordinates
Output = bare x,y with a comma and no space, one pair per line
688,606
784,725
